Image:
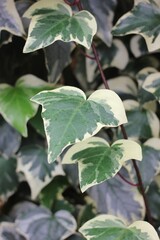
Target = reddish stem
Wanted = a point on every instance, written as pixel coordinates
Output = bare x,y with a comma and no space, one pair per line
74,3
140,183
124,179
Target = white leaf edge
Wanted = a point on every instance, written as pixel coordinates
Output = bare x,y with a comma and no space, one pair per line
99,221
36,185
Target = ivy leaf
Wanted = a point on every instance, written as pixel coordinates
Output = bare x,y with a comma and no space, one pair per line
97,161
68,117
55,20
10,139
118,198
16,107
10,20
57,57
39,223
9,178
8,232
153,196
152,85
32,161
147,123
103,12
150,164
112,228
143,19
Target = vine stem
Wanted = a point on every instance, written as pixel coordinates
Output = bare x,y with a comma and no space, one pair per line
125,136
139,178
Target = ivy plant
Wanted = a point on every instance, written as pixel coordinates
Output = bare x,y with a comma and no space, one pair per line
79,119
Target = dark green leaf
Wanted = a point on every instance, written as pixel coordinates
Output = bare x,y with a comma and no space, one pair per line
8,175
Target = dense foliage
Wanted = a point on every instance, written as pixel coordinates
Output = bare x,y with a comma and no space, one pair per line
79,119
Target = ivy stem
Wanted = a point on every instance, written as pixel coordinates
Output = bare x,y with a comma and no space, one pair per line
148,212
139,178
125,180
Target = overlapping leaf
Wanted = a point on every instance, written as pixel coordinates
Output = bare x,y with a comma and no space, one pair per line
39,223
143,19
97,161
69,117
10,139
32,161
9,178
57,57
150,164
16,107
118,198
103,12
147,123
8,232
112,228
55,20
10,20
152,84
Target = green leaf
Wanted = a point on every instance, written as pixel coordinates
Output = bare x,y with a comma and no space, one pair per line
9,178
147,123
10,139
39,223
104,13
8,231
118,198
10,20
16,107
97,161
143,19
68,117
55,20
32,161
152,85
112,228
48,197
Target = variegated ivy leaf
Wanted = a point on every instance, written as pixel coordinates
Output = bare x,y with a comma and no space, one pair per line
39,223
32,161
8,231
55,20
10,20
16,107
143,19
68,117
112,228
152,85
150,164
118,198
97,161
147,123
103,12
